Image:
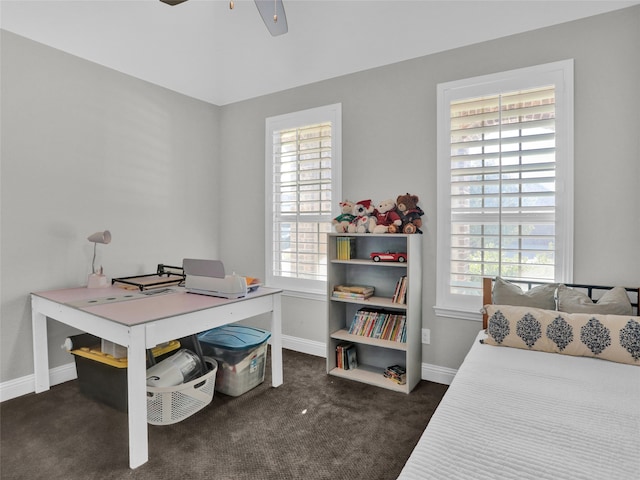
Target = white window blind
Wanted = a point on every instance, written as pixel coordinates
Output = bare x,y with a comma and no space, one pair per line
503,188
304,165
505,193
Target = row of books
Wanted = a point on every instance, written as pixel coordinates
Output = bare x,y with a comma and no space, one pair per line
355,292
397,373
400,292
374,323
346,248
346,356
362,292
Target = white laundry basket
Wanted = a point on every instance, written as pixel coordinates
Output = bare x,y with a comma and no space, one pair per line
167,405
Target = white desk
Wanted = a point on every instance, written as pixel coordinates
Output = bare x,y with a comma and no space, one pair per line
140,322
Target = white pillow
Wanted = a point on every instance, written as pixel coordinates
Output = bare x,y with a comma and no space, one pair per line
507,293
613,302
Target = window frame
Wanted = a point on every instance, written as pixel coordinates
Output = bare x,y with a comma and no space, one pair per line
329,113
559,74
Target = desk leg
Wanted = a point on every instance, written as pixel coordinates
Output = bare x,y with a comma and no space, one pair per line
40,351
276,342
137,390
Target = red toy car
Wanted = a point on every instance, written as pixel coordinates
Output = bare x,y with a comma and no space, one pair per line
388,257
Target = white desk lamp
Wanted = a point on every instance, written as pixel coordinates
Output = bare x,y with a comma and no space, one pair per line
97,280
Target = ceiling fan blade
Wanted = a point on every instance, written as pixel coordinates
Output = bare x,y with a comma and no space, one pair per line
173,2
273,15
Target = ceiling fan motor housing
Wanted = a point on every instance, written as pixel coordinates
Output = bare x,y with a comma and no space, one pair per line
271,11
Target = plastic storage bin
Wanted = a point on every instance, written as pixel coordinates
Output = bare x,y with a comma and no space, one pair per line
104,378
241,353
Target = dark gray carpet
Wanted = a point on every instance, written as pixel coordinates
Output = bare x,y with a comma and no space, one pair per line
314,426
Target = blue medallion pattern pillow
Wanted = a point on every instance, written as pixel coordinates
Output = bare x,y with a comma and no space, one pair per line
498,327
560,332
595,336
610,337
512,326
528,329
630,338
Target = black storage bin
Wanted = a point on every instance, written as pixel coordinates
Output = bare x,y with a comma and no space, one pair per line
104,378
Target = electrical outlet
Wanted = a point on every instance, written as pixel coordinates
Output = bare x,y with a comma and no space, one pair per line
426,336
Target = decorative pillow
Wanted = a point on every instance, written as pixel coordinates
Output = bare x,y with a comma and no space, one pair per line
541,296
613,302
610,337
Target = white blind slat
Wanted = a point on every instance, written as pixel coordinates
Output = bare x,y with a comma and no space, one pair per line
512,116
489,130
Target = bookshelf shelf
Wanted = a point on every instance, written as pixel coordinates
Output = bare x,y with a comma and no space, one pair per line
374,301
370,375
348,337
375,354
371,262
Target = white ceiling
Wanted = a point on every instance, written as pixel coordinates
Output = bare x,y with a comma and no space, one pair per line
203,49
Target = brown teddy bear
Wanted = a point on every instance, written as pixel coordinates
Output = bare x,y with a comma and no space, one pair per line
410,213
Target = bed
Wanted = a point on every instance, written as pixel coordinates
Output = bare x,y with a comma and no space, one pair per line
520,413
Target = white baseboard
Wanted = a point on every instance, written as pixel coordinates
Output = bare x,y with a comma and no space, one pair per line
310,347
24,385
438,374
27,384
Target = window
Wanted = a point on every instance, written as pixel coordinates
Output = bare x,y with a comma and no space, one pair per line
303,157
505,182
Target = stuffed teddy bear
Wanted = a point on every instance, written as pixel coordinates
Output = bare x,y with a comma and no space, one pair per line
342,221
410,213
365,219
387,219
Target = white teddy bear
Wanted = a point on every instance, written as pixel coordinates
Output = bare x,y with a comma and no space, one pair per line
365,220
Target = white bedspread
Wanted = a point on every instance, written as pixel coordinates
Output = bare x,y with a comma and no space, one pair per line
518,414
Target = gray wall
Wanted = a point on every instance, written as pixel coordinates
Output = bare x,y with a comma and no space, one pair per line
85,148
389,147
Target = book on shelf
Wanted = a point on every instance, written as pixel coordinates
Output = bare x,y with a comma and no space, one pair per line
380,324
352,358
356,292
345,248
400,292
346,356
396,373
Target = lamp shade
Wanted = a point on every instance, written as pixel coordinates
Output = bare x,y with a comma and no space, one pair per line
100,237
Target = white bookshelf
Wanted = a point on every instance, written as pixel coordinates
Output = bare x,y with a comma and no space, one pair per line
376,354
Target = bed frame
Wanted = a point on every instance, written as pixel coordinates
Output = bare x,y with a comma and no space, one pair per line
533,415
593,291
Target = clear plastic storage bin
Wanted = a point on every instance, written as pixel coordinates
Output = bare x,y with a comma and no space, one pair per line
241,353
